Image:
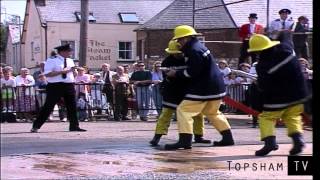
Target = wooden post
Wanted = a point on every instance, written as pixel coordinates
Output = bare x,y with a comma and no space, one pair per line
84,32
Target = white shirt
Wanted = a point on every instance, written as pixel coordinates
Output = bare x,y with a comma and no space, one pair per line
252,71
277,25
8,83
225,71
56,63
28,80
252,27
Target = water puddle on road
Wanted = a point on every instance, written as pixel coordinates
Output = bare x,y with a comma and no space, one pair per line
122,162
186,161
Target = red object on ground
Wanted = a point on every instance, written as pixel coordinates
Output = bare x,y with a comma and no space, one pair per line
305,117
240,106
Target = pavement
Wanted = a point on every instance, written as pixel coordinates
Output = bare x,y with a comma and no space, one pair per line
120,150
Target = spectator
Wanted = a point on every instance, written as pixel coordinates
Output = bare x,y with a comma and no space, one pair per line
234,88
245,67
142,80
126,69
7,83
223,67
232,79
284,23
120,82
156,80
305,68
245,32
39,71
25,91
82,81
41,85
82,107
300,38
308,73
107,78
1,72
99,101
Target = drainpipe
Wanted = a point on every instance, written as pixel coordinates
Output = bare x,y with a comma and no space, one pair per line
44,25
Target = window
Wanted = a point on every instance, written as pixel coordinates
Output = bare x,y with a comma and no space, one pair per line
125,51
91,18
40,2
74,55
129,17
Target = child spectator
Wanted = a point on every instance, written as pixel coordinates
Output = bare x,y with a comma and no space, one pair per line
82,107
41,85
223,67
98,99
7,83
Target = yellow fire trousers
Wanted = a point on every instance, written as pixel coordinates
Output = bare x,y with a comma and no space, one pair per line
291,117
188,109
164,119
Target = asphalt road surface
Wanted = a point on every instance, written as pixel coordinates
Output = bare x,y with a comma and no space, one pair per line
120,150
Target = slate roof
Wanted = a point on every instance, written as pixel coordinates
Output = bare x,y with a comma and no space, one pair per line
231,16
105,11
180,12
241,11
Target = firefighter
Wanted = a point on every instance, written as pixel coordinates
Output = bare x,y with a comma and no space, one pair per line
172,90
283,91
204,93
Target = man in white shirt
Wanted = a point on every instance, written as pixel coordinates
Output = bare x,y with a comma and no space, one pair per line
59,72
284,23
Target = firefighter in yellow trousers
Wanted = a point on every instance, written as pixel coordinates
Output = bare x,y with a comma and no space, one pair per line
172,93
283,91
203,94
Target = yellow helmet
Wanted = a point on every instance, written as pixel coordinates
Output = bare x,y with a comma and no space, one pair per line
259,42
173,47
183,31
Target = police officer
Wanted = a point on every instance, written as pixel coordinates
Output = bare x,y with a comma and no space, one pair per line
172,90
283,91
284,23
204,93
59,72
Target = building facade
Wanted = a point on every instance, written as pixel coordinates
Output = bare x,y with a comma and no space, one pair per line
111,35
123,31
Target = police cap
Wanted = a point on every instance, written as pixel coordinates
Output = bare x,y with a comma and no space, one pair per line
65,47
253,15
285,11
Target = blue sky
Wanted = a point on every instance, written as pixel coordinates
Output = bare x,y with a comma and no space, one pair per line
15,7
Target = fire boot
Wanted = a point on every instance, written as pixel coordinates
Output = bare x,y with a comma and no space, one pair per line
155,140
185,141
227,139
298,144
270,145
199,139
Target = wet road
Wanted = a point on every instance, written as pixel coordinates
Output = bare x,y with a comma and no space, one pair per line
120,150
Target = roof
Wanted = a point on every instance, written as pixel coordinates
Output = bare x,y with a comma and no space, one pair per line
104,11
180,12
241,11
230,16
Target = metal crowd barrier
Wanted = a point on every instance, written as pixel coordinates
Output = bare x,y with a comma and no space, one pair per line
27,100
